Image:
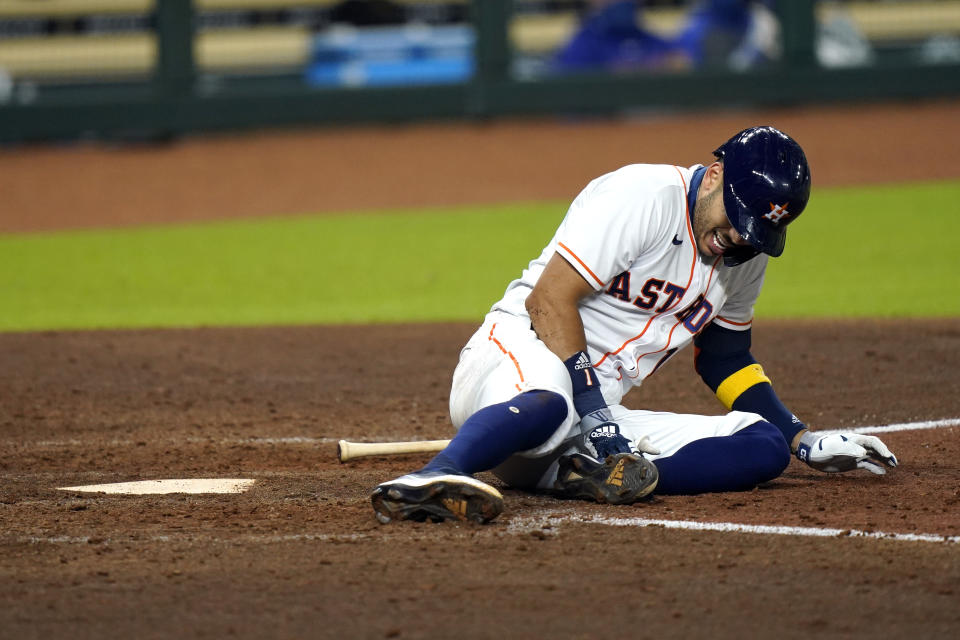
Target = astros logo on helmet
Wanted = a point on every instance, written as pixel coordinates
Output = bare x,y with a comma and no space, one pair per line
777,213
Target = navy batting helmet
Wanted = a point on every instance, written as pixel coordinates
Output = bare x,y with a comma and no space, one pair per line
766,185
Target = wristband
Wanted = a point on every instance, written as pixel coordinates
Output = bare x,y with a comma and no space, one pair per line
807,440
761,399
587,397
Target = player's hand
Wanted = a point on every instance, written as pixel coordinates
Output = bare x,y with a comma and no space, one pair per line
603,436
845,452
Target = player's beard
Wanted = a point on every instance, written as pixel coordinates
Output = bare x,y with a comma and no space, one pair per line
701,216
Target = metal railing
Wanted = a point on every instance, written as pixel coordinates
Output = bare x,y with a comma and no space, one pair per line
177,84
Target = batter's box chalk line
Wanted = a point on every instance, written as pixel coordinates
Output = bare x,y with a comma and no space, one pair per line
240,485
548,524
310,441
890,428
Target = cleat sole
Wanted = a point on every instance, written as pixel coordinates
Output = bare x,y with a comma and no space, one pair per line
444,498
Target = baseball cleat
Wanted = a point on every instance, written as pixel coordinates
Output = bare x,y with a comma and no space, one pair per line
623,478
436,497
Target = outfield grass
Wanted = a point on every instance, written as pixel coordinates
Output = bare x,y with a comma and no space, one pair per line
877,251
870,251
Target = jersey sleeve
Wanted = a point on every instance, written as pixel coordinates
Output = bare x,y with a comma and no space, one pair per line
745,284
614,219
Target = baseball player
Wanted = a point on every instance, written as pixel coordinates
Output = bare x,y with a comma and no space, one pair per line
648,259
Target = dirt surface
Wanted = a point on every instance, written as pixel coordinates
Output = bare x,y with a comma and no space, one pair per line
301,555
299,172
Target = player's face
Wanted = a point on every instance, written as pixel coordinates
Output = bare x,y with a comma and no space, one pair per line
711,227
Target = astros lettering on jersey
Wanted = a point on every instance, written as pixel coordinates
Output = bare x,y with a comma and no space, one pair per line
629,234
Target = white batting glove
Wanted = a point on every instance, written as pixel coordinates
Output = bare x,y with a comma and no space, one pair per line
844,452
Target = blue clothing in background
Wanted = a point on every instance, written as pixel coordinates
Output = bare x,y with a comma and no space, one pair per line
611,38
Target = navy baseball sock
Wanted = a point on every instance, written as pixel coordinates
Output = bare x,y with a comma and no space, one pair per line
737,462
494,433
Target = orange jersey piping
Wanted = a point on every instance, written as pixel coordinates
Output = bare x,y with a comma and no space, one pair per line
582,263
679,322
693,266
508,354
738,324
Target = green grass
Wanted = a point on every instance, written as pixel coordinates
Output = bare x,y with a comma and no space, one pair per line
877,251
389,267
870,251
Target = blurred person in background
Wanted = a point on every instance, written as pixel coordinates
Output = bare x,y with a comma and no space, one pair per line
612,36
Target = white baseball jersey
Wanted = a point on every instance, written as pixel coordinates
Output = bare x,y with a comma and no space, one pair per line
629,233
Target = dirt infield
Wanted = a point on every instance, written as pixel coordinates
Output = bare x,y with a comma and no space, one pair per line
362,168
301,555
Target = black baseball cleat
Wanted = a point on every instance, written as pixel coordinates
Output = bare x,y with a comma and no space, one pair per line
623,478
435,497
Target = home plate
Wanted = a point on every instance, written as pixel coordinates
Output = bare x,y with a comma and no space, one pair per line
151,487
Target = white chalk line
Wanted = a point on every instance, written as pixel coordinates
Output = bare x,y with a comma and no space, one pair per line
82,476
394,531
187,538
122,442
306,440
528,524
904,426
546,522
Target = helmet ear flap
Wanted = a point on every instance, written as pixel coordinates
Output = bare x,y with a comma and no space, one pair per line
735,255
739,255
766,185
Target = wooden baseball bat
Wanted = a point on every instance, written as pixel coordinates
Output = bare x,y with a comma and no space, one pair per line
347,450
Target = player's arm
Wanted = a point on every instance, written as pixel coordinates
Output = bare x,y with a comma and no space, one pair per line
553,307
723,360
554,310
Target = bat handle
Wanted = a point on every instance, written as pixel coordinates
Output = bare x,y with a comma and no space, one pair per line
347,450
